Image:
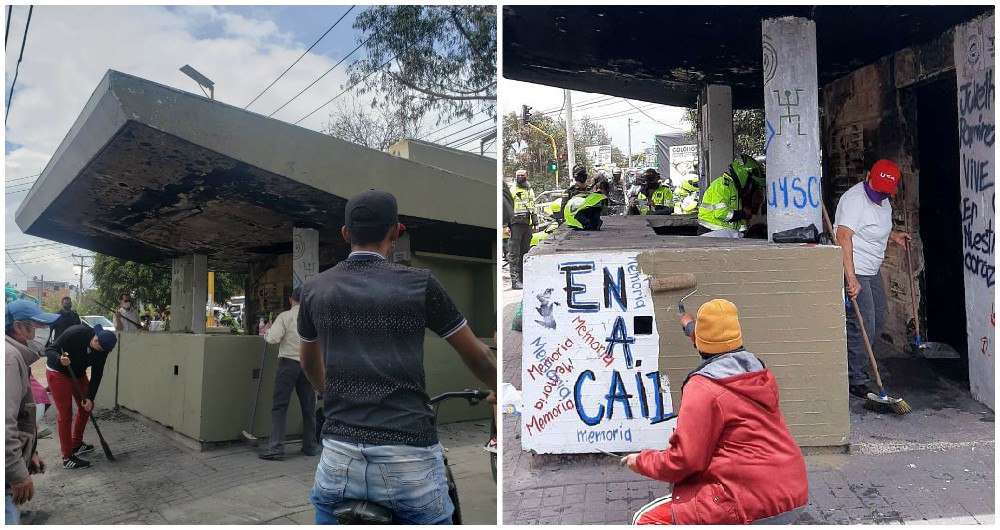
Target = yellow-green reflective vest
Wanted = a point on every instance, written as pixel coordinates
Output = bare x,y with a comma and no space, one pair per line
524,204
662,196
579,203
718,204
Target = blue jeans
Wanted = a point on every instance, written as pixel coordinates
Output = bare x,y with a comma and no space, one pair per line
410,481
11,514
871,302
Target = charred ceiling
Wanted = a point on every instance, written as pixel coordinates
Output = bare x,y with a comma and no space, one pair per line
149,173
666,54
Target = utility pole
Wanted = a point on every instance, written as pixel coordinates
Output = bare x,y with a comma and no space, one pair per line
40,284
79,290
630,142
570,145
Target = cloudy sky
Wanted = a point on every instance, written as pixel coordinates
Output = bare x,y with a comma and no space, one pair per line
613,113
242,49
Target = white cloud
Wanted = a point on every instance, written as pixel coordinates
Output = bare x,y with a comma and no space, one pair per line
69,49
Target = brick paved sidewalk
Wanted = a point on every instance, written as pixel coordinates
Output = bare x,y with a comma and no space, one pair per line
935,465
156,479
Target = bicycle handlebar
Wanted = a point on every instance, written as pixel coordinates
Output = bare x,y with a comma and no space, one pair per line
472,396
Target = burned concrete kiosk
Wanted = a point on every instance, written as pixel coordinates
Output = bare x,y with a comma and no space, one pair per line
840,87
604,358
161,176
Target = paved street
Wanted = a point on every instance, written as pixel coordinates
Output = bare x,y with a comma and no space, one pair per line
159,479
933,466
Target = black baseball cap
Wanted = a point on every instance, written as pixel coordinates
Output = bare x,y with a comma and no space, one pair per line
371,208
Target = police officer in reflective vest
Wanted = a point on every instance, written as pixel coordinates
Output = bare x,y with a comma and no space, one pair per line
583,211
654,198
521,226
725,207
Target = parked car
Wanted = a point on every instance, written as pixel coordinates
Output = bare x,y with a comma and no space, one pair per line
94,320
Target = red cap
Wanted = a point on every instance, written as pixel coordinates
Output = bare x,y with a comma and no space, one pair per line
884,177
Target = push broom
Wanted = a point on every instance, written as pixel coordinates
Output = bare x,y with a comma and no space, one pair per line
881,402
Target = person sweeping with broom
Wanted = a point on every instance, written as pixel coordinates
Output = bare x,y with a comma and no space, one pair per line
863,229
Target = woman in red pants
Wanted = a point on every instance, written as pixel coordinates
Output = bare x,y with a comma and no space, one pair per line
79,348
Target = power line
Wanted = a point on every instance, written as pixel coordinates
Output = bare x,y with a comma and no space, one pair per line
21,178
15,264
461,130
321,77
448,125
301,56
346,90
474,136
17,68
39,248
652,118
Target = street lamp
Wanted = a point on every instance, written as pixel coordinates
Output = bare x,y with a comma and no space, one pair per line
199,78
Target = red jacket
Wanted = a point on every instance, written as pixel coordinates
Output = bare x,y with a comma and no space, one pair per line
731,458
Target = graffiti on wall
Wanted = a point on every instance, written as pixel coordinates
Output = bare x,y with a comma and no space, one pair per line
974,60
590,373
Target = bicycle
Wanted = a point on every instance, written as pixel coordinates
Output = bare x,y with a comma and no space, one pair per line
358,511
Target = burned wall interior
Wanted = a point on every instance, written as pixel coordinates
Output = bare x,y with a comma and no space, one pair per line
883,110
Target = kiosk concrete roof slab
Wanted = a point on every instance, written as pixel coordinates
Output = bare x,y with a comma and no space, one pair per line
666,54
149,173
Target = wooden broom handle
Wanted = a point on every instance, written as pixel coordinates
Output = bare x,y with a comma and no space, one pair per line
909,269
868,344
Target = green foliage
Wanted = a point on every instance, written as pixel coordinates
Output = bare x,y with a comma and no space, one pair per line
748,130
527,148
148,284
437,58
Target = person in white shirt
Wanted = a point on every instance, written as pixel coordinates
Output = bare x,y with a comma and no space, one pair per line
863,227
126,318
289,376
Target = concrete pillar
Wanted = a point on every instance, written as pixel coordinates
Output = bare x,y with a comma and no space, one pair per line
305,255
189,293
401,251
715,106
975,66
791,114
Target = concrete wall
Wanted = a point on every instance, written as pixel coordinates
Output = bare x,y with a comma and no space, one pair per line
209,398
975,62
481,168
791,310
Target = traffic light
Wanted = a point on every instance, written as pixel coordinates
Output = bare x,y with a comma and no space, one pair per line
562,157
525,114
552,166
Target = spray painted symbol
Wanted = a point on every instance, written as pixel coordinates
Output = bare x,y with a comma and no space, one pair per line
770,60
788,103
771,133
986,345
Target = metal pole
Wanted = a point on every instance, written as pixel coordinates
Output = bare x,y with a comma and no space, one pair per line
629,142
570,143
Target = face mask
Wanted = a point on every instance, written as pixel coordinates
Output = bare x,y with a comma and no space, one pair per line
37,345
127,305
523,182
67,307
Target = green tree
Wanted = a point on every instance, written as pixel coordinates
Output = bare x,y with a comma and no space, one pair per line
429,58
149,284
748,130
527,148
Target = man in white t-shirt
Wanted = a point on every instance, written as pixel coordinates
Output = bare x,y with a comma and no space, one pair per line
863,226
126,318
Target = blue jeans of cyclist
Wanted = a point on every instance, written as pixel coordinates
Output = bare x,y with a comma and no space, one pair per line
408,480
11,514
